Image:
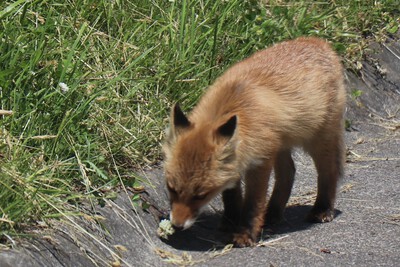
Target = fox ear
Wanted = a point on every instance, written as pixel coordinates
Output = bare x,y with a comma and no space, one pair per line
178,123
227,129
179,120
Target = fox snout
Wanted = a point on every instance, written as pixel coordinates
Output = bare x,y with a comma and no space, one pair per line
182,216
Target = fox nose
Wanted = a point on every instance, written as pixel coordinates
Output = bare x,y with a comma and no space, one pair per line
186,225
181,224
178,227
175,224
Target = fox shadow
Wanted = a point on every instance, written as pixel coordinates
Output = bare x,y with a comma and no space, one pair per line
205,234
294,221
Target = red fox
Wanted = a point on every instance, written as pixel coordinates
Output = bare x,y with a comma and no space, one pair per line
245,125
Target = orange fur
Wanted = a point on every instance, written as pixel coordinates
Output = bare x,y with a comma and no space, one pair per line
291,94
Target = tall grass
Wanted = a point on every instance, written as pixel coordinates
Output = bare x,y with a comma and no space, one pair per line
86,85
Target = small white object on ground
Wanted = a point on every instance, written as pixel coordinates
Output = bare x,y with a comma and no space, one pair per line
165,229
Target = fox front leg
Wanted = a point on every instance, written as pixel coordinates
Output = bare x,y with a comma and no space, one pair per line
253,210
232,199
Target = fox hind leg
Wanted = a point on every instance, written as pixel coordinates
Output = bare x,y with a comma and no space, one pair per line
328,155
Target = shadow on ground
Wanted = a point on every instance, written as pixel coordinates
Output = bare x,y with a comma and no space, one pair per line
205,234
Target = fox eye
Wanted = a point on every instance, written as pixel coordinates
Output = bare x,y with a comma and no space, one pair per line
200,196
171,190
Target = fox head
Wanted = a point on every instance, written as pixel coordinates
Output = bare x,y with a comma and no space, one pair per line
200,162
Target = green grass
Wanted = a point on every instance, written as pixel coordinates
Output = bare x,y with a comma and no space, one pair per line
90,83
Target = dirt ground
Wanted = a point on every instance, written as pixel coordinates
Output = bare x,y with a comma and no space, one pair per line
365,232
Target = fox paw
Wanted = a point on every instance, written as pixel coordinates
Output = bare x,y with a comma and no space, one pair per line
320,216
243,239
